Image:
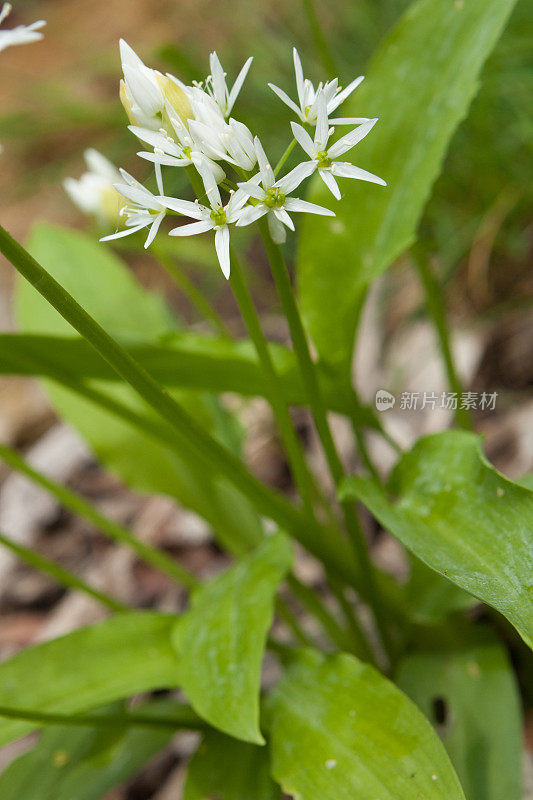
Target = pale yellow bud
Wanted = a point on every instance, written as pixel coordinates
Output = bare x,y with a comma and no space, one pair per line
126,103
176,97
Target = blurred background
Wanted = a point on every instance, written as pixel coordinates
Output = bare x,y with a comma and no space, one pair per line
60,96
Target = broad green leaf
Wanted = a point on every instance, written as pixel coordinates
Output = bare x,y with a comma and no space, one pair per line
471,695
420,83
124,655
225,768
463,519
105,288
221,640
71,763
339,730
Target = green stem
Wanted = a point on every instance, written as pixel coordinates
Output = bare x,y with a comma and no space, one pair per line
437,311
301,347
191,292
284,157
62,576
293,448
184,717
321,43
360,644
78,505
293,623
266,501
311,599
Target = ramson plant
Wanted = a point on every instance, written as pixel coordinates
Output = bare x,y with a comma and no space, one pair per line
380,689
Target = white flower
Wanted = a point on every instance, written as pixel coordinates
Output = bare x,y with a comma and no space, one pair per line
145,92
308,96
231,142
144,209
215,216
170,152
323,157
94,192
22,34
273,199
216,84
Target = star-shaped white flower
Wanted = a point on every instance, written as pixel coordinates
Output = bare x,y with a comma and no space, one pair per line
272,198
22,34
323,157
144,209
214,216
307,107
216,84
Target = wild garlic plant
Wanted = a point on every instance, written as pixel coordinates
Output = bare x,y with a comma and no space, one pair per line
370,669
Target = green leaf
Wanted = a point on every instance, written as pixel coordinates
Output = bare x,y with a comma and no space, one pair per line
227,769
124,655
420,83
83,763
221,640
431,597
471,695
184,360
105,288
339,730
463,519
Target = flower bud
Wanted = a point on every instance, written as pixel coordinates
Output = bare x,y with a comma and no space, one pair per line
176,98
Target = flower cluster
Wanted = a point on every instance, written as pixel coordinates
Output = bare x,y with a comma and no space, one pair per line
192,127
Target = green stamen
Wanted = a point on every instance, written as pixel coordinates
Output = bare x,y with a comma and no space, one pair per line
323,159
218,215
274,198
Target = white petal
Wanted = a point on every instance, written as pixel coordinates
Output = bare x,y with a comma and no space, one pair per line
222,248
295,204
299,77
153,230
219,80
209,181
294,178
303,139
237,86
165,161
351,139
344,170
182,206
130,180
267,173
120,234
141,196
349,120
192,228
276,228
322,125
145,92
129,56
235,205
251,214
252,189
330,182
344,93
284,97
283,217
